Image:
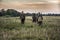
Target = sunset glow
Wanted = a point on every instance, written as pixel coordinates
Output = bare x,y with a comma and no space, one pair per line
31,5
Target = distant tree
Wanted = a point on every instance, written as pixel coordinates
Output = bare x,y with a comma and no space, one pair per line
0,14
12,12
28,14
3,12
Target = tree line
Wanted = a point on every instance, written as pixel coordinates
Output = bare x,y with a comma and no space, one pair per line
15,13
9,12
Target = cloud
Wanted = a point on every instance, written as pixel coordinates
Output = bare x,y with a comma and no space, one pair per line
43,5
0,0
26,1
28,5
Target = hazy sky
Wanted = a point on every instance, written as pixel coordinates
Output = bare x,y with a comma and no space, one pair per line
31,5
28,0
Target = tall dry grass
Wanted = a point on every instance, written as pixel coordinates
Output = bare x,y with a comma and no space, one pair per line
12,29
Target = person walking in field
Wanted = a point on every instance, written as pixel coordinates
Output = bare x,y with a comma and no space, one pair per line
22,17
34,18
40,19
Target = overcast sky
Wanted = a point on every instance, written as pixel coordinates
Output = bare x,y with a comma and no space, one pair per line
29,1
31,5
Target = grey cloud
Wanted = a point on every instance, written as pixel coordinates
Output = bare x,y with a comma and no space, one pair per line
24,0
0,0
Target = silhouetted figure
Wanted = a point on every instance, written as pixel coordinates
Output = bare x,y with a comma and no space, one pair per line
34,18
22,17
40,19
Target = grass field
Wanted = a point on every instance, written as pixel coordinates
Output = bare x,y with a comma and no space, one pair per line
12,29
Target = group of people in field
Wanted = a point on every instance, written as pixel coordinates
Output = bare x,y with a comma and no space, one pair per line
36,18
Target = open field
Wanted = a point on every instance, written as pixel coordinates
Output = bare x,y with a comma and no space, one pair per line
12,29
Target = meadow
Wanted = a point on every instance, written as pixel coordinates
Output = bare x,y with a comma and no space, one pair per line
12,29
